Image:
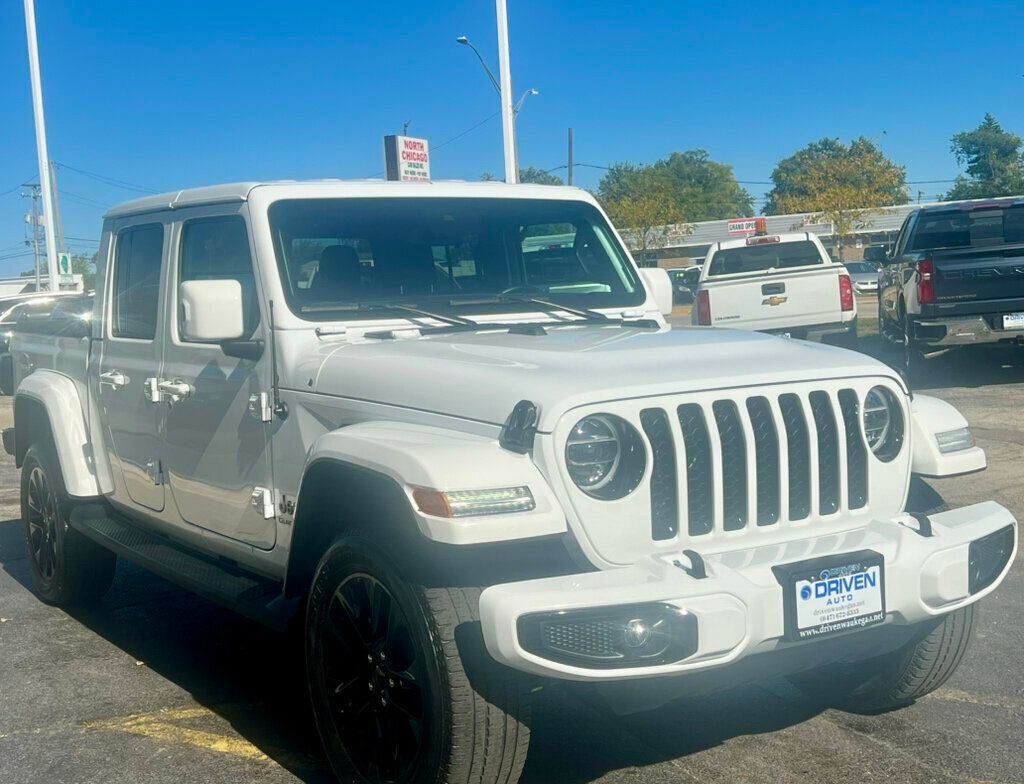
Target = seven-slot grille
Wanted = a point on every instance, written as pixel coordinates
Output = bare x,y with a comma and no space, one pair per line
748,441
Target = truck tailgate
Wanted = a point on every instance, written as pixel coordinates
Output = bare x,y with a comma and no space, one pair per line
776,300
979,273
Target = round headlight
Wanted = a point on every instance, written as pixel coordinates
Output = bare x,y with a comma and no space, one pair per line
883,423
605,456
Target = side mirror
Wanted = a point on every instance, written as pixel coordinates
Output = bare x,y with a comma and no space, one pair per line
212,310
660,285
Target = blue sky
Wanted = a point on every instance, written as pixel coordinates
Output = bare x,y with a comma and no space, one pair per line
174,95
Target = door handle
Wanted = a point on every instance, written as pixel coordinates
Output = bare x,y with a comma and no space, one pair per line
175,388
114,379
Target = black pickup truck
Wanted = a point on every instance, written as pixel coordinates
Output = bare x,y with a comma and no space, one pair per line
955,278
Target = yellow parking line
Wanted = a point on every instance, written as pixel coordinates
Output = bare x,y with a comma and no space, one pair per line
160,725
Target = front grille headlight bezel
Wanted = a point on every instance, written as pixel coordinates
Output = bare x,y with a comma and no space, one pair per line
605,456
884,423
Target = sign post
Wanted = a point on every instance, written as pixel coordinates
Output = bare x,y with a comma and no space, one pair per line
407,159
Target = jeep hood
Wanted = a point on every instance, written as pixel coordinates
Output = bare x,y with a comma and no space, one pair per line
481,375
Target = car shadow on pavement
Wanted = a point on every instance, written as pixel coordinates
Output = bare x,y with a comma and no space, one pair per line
253,678
244,673
579,740
970,366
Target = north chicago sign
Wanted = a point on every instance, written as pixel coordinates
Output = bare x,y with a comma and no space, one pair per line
407,159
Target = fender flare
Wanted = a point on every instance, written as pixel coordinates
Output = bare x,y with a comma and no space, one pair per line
930,415
57,396
430,457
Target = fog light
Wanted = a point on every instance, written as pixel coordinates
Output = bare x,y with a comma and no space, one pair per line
954,440
473,503
609,637
987,557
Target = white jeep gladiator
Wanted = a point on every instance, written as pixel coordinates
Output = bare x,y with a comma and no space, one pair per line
445,429
785,284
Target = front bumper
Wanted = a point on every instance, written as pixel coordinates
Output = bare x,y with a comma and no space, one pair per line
738,605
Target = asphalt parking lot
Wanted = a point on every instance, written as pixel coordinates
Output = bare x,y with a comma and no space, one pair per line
156,685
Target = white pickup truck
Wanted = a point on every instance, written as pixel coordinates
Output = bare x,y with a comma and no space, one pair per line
445,429
780,283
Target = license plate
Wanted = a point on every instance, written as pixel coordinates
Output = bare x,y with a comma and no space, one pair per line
1013,321
835,594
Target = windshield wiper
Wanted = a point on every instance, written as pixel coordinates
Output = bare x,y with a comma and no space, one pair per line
378,306
546,304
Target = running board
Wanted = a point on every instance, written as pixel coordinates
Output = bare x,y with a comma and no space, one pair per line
255,597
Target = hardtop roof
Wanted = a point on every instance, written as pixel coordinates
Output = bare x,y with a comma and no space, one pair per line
240,192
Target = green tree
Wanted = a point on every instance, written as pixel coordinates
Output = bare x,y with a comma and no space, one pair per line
699,188
839,184
993,160
640,202
539,177
81,264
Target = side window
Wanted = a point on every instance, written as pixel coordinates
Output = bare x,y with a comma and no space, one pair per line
136,294
218,249
901,240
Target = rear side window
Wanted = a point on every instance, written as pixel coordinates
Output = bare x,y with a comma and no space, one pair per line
969,228
758,258
137,281
218,249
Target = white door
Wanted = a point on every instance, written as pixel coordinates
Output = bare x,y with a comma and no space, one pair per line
216,447
130,363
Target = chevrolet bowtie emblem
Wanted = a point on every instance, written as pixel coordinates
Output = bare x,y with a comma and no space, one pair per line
773,300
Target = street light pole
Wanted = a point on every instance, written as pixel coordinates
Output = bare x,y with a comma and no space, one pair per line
508,123
490,74
44,157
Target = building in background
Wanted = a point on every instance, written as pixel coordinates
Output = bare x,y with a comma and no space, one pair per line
688,244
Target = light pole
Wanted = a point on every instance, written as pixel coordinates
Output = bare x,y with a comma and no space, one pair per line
44,158
490,75
510,113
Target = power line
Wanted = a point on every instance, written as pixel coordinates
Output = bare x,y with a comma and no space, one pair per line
107,180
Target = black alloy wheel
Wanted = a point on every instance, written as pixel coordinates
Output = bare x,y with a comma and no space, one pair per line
68,567
375,679
42,518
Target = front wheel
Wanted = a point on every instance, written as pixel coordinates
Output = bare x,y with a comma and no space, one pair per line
401,685
898,678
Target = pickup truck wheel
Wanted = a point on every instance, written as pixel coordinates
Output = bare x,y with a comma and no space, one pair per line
68,567
401,685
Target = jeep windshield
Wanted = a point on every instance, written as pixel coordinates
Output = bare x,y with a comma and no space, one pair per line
477,256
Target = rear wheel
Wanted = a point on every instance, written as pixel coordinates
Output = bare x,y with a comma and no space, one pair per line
402,687
68,567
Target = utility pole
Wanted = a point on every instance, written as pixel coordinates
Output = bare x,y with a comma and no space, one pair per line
508,120
34,220
41,151
570,157
61,248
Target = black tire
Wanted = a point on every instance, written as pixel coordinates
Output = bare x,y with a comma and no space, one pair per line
68,568
901,677
909,673
430,662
